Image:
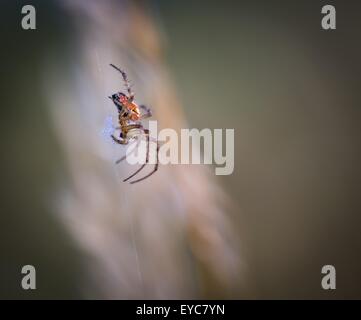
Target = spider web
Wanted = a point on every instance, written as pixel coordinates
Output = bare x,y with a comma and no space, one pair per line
107,130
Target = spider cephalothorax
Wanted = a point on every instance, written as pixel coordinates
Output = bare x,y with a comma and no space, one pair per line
130,126
125,106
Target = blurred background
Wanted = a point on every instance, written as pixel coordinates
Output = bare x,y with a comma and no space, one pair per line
289,89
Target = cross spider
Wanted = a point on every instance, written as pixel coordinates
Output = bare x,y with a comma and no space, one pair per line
130,126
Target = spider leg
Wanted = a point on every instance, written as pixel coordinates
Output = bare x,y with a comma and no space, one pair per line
152,172
126,82
125,156
124,141
146,131
147,114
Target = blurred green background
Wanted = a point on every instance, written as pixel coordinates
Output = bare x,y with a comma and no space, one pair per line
289,89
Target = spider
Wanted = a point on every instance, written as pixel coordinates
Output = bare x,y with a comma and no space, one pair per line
130,126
